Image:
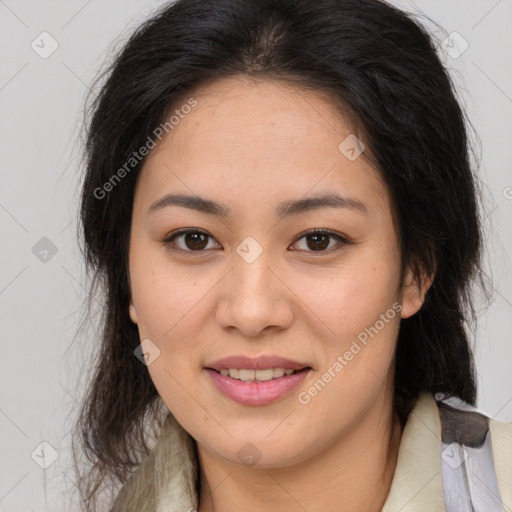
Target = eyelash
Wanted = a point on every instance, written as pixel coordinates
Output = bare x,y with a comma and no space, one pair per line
342,241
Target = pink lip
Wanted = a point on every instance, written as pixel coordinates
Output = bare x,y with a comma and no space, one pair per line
258,363
257,393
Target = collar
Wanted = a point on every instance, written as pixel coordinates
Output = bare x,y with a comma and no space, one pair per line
418,481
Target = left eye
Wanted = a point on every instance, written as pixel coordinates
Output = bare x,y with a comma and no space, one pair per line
319,240
197,241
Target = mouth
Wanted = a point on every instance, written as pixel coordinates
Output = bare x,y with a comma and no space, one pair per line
256,382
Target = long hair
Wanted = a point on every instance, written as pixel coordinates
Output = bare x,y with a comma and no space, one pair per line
381,68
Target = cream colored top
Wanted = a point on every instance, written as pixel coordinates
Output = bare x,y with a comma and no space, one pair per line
166,480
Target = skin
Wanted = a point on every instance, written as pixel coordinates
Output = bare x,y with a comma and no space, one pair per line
251,144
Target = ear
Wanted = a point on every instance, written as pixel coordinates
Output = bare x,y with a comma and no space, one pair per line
414,290
133,313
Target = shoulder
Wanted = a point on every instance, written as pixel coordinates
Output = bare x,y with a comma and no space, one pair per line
167,477
452,457
501,438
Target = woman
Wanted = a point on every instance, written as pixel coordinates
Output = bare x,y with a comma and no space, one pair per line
280,205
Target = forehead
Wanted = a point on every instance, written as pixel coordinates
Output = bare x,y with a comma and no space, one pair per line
256,140
265,118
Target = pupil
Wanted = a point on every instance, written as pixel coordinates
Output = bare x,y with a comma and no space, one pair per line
195,241
319,245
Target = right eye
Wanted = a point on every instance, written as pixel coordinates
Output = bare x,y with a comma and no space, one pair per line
194,240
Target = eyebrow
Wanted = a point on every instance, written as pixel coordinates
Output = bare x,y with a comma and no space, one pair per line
284,209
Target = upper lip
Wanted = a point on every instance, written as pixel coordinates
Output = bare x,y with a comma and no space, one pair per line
257,363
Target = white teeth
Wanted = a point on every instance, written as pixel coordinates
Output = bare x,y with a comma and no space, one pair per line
250,375
245,374
279,372
264,374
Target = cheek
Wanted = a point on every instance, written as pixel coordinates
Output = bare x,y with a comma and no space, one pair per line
170,305
356,323
352,298
164,294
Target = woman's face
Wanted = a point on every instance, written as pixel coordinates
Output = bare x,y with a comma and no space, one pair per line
247,279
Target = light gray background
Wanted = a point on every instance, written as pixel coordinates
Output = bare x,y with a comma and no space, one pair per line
41,102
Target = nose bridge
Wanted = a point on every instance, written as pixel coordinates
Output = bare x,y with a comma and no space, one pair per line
255,297
252,277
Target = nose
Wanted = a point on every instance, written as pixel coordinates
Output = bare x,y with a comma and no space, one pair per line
255,298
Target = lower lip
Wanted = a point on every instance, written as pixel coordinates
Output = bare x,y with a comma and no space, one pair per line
256,392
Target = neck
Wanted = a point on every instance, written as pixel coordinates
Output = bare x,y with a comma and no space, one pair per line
353,474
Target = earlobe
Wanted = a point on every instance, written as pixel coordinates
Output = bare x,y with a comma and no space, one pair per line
414,290
133,313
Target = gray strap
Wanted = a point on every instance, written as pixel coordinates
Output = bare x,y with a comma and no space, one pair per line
469,476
